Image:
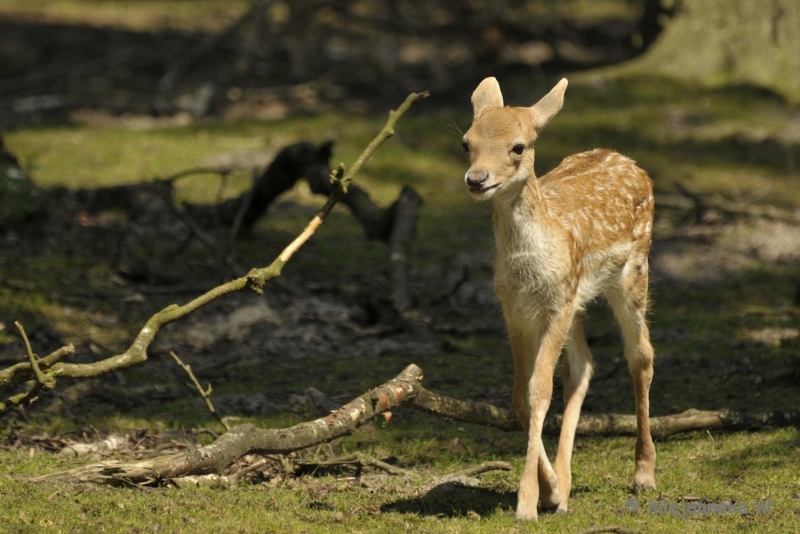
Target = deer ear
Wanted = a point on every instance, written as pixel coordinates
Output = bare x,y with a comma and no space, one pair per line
486,94
546,108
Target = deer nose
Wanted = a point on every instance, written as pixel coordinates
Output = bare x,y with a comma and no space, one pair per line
477,177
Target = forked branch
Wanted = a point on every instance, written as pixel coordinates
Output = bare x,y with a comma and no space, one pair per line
254,280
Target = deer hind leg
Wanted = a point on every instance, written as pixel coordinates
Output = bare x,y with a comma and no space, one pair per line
539,482
576,372
629,303
525,346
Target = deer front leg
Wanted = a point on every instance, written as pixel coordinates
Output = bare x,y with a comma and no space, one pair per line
537,468
576,370
524,345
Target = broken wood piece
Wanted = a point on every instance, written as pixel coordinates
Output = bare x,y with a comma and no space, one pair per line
99,448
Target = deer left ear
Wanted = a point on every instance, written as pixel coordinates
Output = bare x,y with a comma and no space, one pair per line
546,108
486,94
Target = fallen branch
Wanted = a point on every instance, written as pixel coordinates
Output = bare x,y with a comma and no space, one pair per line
485,414
254,280
247,439
405,389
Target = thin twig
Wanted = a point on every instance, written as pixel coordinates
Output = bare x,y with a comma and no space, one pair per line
387,132
252,467
22,371
363,460
483,468
206,394
46,381
316,222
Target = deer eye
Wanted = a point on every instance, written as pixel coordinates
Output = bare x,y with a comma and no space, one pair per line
465,146
518,149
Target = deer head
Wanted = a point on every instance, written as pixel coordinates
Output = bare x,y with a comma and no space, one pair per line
500,141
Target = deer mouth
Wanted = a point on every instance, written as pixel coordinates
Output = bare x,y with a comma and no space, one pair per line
482,190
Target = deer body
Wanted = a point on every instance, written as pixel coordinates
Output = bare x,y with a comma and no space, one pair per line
581,231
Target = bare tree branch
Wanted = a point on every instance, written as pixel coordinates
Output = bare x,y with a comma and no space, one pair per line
246,439
254,280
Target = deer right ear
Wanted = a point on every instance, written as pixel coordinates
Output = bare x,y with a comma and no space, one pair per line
485,95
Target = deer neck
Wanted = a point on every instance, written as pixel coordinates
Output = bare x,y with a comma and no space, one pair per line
519,209
530,257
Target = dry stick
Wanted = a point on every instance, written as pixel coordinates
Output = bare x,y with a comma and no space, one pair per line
254,280
362,460
481,413
206,394
483,468
42,379
252,467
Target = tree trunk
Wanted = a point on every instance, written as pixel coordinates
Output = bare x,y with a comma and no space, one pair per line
732,41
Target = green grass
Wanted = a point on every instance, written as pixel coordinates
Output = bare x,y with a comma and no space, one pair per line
675,131
747,468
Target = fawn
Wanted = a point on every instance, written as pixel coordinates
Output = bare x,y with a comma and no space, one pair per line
582,230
